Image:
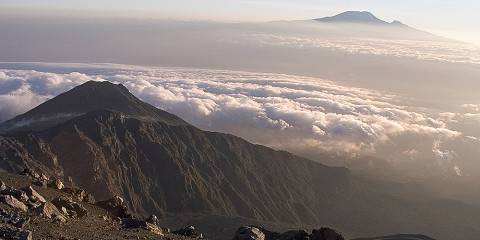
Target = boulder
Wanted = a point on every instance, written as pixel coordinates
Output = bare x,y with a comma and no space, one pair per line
152,219
56,184
325,234
80,195
188,232
14,233
249,233
48,210
13,202
33,195
18,194
115,206
73,208
3,186
137,223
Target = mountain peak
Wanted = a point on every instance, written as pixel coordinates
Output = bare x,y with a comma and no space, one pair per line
353,17
88,97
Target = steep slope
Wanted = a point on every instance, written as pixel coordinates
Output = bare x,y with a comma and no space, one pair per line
159,167
162,165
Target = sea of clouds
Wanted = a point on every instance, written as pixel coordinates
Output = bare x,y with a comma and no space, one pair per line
260,107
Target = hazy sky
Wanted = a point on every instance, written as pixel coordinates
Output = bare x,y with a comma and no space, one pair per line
452,18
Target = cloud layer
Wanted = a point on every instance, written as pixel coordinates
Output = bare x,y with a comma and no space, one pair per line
263,108
451,52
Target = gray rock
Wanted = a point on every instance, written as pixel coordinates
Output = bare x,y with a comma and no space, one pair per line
152,219
3,186
18,194
34,195
56,184
48,210
249,233
73,208
80,195
137,223
115,206
13,202
188,232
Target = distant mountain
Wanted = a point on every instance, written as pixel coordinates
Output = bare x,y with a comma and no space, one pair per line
353,17
357,17
376,27
113,143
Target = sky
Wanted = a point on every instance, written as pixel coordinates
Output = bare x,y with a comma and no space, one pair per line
456,19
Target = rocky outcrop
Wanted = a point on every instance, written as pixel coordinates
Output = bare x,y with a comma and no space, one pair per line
249,233
71,208
259,233
48,210
188,231
78,194
137,223
33,195
13,202
115,206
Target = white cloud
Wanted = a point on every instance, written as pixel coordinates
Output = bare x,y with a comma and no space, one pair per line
273,109
452,52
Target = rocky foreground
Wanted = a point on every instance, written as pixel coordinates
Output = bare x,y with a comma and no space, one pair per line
34,206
